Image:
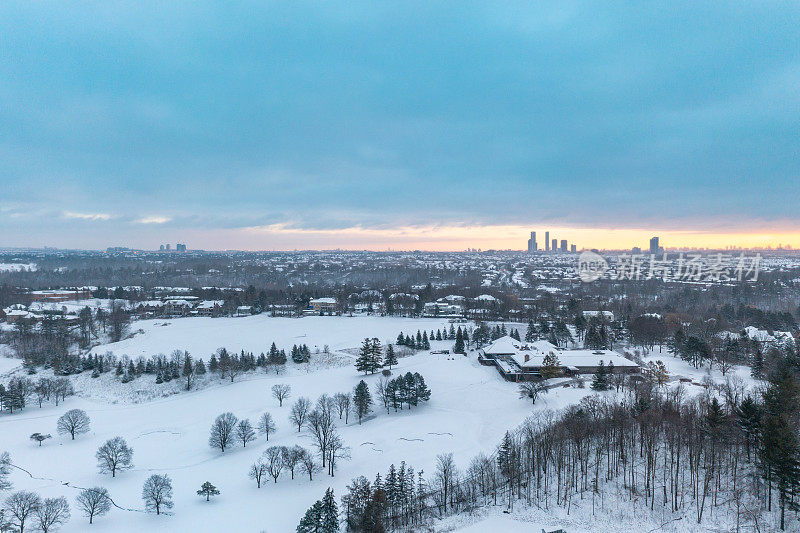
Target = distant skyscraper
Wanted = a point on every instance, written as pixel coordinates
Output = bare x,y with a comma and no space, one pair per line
563,245
180,247
169,247
554,245
547,241
161,248
654,245
573,248
532,247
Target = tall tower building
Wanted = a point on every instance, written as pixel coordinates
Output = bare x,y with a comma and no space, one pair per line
564,245
532,247
654,245
554,245
547,241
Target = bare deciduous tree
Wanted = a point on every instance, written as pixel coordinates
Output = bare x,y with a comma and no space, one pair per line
309,464
245,433
273,458
21,507
73,422
299,412
266,425
222,431
343,405
52,513
157,493
94,502
280,392
114,455
257,471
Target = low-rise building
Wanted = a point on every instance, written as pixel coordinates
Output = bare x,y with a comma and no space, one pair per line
523,361
325,306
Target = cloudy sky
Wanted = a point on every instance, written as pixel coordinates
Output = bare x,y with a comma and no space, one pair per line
398,124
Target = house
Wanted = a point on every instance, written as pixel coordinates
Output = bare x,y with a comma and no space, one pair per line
603,315
318,306
60,295
177,307
523,361
244,310
442,308
209,308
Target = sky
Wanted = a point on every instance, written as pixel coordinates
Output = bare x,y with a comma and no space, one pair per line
399,125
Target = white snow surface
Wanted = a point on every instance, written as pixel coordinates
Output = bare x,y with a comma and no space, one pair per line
470,409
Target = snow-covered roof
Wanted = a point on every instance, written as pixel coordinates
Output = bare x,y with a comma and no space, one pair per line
486,298
322,301
532,354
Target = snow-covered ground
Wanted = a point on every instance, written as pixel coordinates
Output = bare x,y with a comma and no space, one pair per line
470,409
16,267
201,336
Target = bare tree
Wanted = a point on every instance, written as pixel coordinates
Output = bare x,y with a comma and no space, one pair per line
343,405
73,422
245,433
5,470
52,513
273,457
114,455
291,457
299,412
280,392
222,431
258,470
21,506
336,450
266,425
383,394
445,476
157,493
322,428
309,464
94,502
532,390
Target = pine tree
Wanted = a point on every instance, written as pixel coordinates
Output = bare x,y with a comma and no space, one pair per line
312,520
330,513
207,490
376,355
391,356
551,366
365,361
362,400
600,380
459,346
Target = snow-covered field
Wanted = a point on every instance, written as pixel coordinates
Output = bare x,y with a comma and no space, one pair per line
16,267
470,409
202,336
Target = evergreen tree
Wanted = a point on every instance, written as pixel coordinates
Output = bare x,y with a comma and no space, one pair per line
362,400
551,366
391,356
207,490
459,346
366,359
330,513
312,520
600,380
